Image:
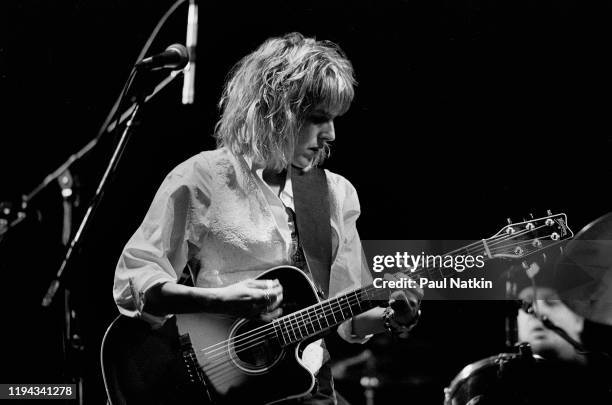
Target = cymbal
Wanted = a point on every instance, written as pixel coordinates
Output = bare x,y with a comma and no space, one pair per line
583,273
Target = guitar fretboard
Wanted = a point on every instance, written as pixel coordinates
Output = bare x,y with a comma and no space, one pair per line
318,318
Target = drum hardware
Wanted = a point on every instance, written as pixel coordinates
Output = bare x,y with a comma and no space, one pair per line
489,379
369,384
369,380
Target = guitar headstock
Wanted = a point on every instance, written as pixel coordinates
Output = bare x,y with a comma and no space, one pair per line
521,239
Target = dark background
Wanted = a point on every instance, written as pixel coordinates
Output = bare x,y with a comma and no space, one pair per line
466,113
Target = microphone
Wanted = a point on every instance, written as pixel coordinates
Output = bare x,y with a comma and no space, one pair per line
174,57
192,40
561,332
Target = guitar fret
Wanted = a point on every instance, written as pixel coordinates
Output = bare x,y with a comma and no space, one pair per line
297,324
306,322
358,303
311,321
291,330
324,315
319,316
344,303
367,294
303,324
349,307
340,309
284,330
332,312
277,327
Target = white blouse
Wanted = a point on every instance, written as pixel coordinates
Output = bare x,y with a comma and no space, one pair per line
215,213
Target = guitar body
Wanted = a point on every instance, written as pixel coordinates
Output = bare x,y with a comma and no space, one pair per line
205,358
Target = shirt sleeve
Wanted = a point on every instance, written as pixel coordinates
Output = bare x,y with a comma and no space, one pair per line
157,252
350,264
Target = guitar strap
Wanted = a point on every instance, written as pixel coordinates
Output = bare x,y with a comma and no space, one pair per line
311,201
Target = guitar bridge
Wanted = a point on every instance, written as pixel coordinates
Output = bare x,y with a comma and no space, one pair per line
194,371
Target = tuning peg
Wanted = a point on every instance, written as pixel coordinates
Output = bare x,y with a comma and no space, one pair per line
509,220
530,215
548,212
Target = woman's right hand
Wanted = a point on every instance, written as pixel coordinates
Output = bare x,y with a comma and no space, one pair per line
250,298
247,298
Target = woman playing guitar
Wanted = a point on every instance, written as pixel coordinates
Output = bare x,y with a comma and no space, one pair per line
231,213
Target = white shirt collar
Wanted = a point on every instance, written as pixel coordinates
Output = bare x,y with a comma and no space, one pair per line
286,195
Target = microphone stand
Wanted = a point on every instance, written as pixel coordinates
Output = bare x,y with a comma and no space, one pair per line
11,216
19,214
72,345
90,145
191,41
129,115
71,340
95,202
562,333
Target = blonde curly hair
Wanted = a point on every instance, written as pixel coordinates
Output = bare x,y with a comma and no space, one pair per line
271,91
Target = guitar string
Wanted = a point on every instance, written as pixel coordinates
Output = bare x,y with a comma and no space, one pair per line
341,305
210,369
492,244
511,235
331,309
295,322
217,373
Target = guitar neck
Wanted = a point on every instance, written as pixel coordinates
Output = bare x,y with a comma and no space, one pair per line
514,241
318,318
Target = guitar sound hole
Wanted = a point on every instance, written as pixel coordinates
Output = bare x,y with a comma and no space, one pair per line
254,349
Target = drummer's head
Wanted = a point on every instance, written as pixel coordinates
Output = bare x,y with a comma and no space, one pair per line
544,341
